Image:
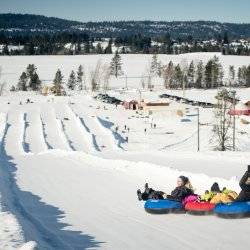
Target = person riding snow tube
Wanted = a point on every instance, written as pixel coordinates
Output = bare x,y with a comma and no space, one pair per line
236,209
215,195
199,207
202,205
183,189
241,206
171,202
150,194
163,206
214,190
245,187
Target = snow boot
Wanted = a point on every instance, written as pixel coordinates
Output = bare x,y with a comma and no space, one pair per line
139,194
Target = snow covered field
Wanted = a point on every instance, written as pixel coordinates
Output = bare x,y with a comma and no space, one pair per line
68,180
133,66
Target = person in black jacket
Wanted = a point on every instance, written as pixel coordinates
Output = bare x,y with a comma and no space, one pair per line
245,187
183,189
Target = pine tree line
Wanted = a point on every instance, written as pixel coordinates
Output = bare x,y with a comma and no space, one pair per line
80,44
201,76
183,75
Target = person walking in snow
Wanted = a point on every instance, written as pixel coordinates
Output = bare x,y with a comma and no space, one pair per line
116,129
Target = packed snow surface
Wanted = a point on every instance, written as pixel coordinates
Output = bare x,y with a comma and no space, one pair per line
68,178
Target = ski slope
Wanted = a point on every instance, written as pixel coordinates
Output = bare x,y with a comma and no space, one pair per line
69,181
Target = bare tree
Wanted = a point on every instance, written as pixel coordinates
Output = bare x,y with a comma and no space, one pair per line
223,127
143,81
2,88
95,77
2,84
105,76
149,76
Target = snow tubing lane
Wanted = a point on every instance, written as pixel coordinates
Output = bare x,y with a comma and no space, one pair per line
233,210
163,206
199,208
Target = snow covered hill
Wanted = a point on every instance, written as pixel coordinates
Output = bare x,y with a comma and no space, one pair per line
69,182
198,29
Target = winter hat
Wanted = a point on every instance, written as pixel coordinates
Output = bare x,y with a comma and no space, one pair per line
215,187
184,179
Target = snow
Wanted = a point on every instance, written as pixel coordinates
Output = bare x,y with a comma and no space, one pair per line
133,66
68,180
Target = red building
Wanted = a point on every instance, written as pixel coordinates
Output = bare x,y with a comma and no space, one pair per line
133,104
241,109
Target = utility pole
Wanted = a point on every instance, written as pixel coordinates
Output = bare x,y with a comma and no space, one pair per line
183,87
198,132
234,93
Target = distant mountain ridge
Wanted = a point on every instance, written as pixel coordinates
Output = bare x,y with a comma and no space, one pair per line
177,29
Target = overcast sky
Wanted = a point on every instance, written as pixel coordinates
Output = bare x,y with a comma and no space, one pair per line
165,10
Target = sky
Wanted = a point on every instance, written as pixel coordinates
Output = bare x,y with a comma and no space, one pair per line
109,10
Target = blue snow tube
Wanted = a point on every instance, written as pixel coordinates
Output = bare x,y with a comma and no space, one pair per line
233,210
163,206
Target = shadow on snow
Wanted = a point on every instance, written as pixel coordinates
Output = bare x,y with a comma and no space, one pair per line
40,221
107,124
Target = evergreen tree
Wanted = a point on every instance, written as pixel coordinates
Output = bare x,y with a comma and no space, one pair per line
168,75
99,49
155,67
108,49
225,39
86,48
199,75
208,79
72,81
6,50
248,77
78,48
35,83
190,75
242,76
116,65
30,70
178,77
79,78
231,76
239,77
22,83
217,73
58,81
